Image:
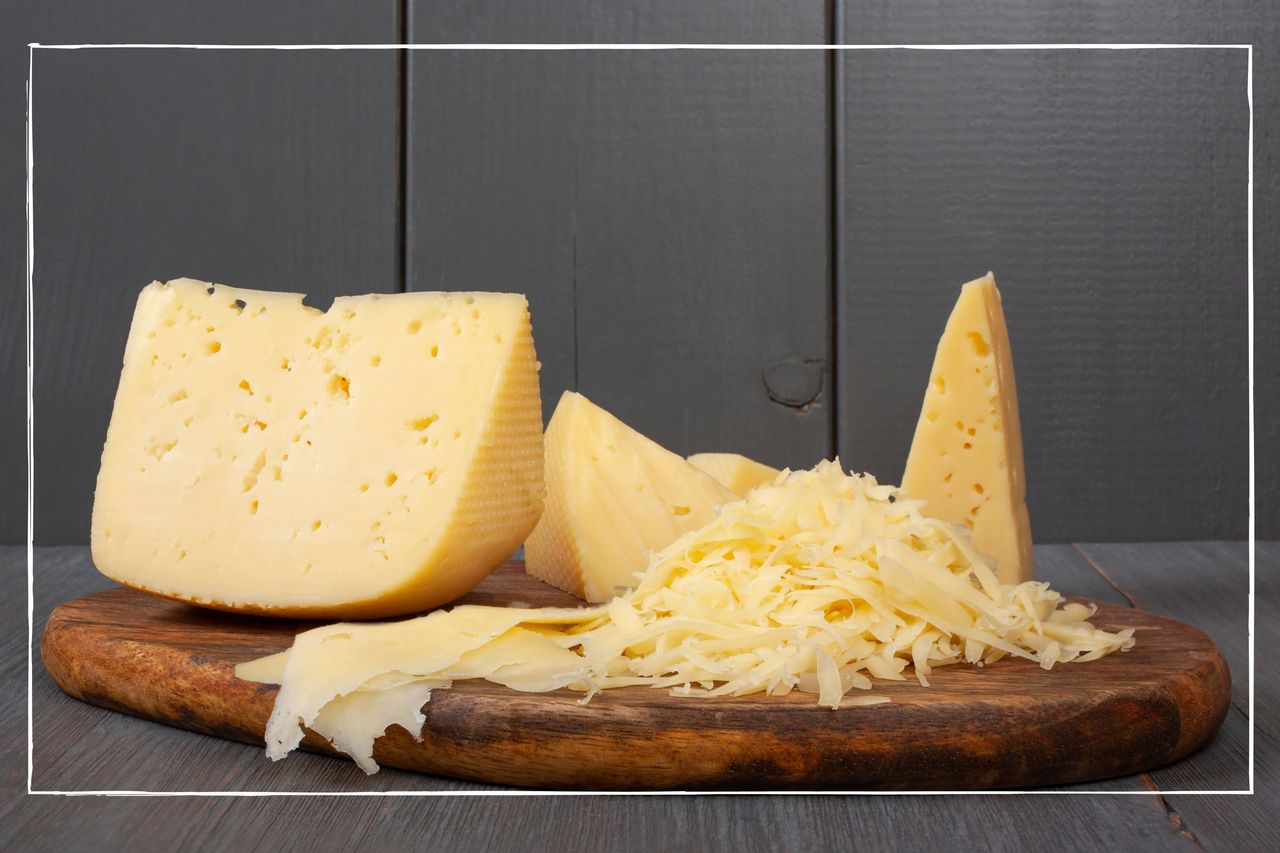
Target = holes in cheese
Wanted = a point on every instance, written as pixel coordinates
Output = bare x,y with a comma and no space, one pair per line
968,429
613,496
818,583
255,457
734,471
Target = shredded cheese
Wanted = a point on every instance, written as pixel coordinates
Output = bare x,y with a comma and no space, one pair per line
818,582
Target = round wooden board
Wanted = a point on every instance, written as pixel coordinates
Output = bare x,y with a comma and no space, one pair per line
1008,725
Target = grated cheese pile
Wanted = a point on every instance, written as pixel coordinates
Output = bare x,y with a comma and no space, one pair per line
818,582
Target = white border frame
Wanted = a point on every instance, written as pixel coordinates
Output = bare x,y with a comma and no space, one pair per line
33,47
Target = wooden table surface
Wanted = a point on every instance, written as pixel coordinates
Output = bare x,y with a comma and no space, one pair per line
81,748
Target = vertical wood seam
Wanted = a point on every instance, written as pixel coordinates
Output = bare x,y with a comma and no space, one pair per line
573,261
1106,576
835,214
402,147
1171,814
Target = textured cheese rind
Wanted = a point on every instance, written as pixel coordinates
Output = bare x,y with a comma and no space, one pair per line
966,457
613,496
734,471
818,583
551,552
375,459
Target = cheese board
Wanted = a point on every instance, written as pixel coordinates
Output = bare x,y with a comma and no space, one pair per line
1007,725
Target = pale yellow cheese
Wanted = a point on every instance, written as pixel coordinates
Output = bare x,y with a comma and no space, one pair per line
734,471
375,459
818,583
355,680
612,497
966,458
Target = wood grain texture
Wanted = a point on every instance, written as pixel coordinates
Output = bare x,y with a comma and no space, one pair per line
78,746
1006,725
159,21
1211,592
81,746
654,206
271,169
1216,821
1141,21
1036,20
1108,192
1217,602
66,760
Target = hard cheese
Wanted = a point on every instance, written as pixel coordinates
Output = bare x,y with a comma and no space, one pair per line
966,457
352,681
735,472
818,584
372,460
612,497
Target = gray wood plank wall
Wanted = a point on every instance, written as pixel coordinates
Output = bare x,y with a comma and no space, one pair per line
1108,190
266,169
1125,507
731,250
666,212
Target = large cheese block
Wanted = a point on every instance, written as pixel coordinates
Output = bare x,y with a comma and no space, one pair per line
966,457
371,460
613,496
734,471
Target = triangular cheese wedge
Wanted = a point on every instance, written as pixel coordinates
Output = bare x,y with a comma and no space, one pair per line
966,458
735,472
612,497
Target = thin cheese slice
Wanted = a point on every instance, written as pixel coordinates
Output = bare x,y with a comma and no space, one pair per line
734,471
353,722
966,458
343,659
818,583
612,497
375,459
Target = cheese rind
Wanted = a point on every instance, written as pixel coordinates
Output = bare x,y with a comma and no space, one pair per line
734,471
966,457
375,459
613,496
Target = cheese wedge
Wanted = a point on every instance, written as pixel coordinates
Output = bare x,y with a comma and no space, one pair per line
612,497
375,459
966,457
734,471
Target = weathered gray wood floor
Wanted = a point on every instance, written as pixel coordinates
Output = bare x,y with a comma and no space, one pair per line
78,747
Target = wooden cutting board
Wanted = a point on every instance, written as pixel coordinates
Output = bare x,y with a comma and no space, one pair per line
1010,724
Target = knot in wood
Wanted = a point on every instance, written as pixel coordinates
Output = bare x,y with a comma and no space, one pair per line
793,382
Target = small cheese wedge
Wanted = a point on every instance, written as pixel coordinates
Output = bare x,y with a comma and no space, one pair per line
375,459
612,497
734,471
966,457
